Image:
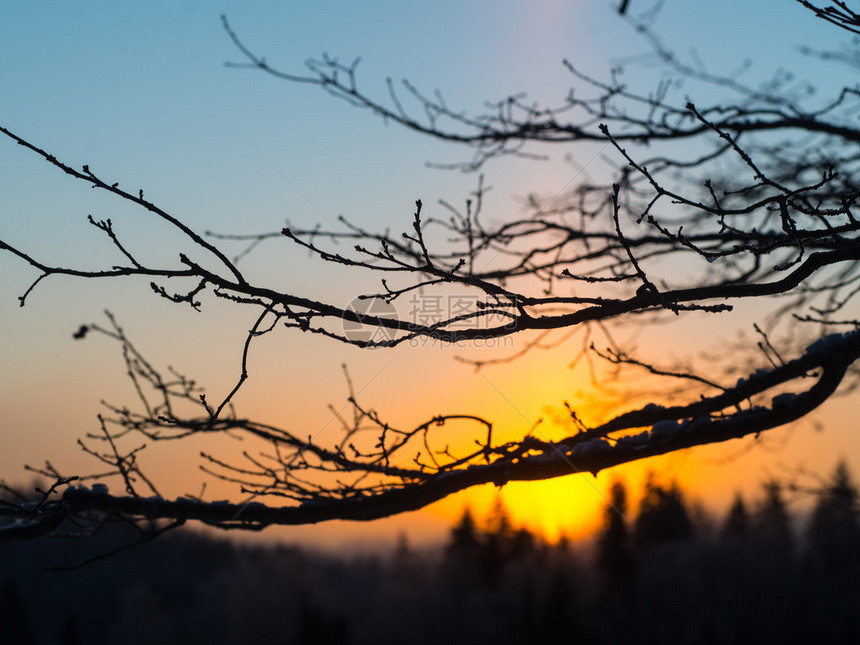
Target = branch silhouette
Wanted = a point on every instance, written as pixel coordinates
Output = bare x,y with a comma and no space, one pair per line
778,227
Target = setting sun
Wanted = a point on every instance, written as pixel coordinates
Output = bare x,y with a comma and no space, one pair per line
566,507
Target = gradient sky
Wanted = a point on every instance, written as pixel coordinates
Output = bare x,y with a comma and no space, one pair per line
139,91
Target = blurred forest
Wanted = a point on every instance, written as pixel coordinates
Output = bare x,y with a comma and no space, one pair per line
667,573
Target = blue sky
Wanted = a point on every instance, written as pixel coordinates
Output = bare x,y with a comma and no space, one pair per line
139,91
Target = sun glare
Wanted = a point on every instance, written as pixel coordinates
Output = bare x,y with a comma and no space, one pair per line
565,507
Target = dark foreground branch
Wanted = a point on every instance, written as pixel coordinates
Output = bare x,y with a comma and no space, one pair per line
727,415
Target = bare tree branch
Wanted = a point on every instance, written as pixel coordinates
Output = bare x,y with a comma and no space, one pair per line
757,204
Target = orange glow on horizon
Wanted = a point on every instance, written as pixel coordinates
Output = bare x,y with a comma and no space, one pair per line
573,506
568,507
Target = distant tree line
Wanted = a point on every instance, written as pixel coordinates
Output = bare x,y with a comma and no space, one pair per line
759,575
668,573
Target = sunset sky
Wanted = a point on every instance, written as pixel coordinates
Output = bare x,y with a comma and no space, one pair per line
140,93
